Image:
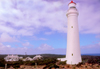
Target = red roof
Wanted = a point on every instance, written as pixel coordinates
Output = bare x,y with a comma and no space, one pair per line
72,2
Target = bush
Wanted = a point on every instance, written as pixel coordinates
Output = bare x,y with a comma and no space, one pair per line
94,61
91,59
29,63
2,62
62,63
15,64
46,61
79,64
51,65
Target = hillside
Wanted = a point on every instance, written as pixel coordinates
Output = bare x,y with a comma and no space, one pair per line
44,55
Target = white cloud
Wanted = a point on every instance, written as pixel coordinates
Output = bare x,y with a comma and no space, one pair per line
42,39
45,47
25,32
29,17
7,38
89,17
99,44
90,49
19,18
27,20
49,33
7,49
26,44
24,16
8,46
97,36
36,38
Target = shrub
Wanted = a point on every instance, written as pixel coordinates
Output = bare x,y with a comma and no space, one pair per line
29,63
62,63
51,65
79,64
2,62
45,61
94,61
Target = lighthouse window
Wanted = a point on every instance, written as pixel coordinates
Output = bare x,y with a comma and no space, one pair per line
71,26
72,7
72,54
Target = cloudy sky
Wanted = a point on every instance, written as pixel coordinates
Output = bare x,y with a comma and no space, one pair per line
40,26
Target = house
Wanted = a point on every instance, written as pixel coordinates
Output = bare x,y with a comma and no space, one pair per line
27,59
21,58
37,57
17,58
12,58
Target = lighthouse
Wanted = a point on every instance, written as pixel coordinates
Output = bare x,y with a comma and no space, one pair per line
73,55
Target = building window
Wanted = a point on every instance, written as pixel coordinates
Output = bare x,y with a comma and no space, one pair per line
71,26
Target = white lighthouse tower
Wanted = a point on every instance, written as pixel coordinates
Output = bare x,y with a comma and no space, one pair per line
73,54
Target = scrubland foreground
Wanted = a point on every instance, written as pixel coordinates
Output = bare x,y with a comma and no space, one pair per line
88,62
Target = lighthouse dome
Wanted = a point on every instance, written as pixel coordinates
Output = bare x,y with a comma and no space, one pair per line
72,4
72,9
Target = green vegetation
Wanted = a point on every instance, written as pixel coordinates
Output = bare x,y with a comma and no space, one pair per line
44,55
2,62
51,65
91,59
50,60
63,63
